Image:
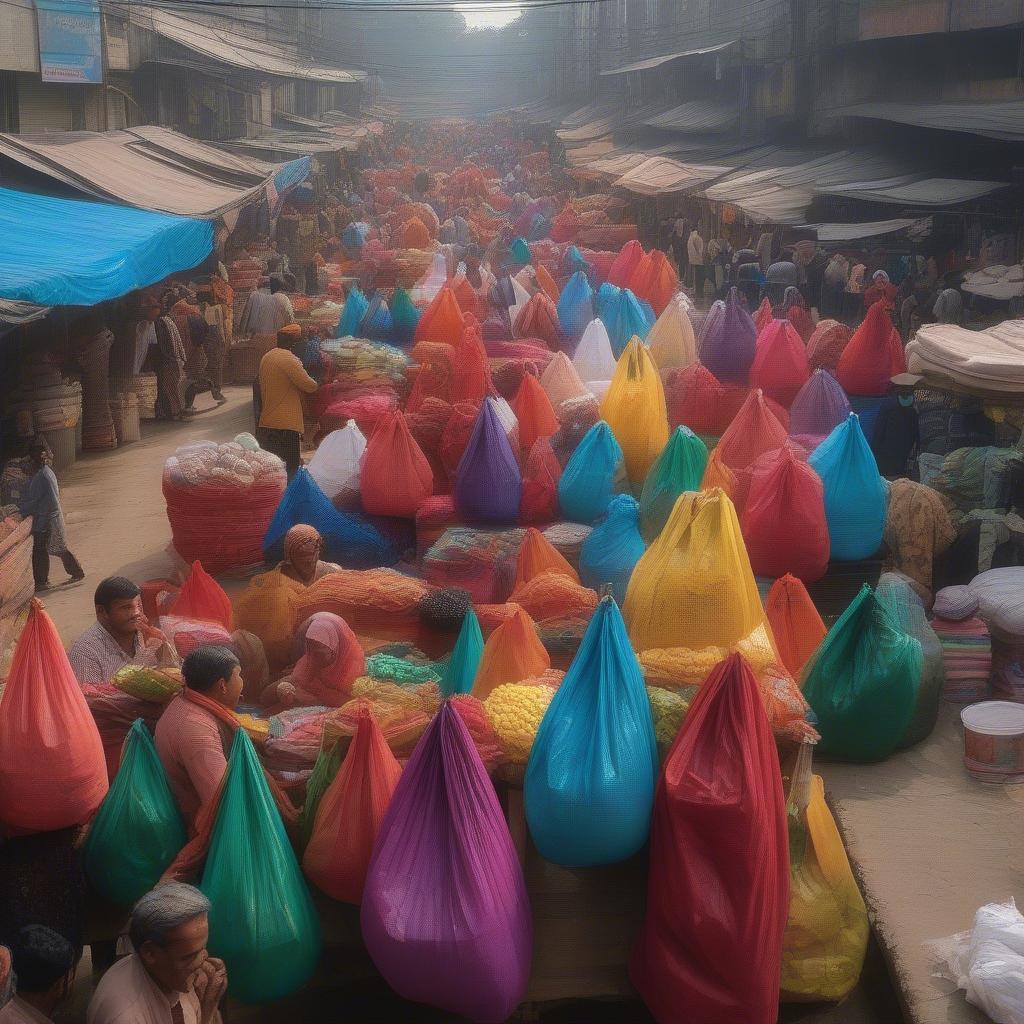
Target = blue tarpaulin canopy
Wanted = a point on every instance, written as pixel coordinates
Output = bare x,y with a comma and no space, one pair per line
66,252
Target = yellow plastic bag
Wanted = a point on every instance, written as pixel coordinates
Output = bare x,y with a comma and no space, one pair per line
827,931
693,587
634,407
267,608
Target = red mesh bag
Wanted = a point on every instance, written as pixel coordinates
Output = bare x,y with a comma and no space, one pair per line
430,381
492,616
427,424
539,503
780,367
763,315
565,225
802,321
471,374
413,234
873,356
455,436
796,624
539,319
547,283
827,342
710,949
367,411
433,517
754,431
538,555
464,294
620,273
442,320
655,279
694,398
537,419
783,521
513,652
553,595
474,718
349,814
396,476
202,598
52,774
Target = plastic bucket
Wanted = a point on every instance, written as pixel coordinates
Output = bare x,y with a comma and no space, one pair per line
994,741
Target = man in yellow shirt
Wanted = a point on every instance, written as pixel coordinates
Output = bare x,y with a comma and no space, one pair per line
283,382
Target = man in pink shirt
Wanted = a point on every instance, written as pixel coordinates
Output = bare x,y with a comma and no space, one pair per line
188,737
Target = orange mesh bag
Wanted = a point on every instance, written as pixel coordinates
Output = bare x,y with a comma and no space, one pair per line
413,234
52,774
655,280
396,476
695,398
471,373
464,293
552,595
718,474
873,356
562,383
513,652
547,283
202,599
694,587
539,319
541,474
474,717
267,608
796,624
491,616
350,813
827,342
634,408
537,419
620,273
754,431
442,320
538,555
780,362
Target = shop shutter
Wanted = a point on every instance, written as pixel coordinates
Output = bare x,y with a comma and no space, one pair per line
43,106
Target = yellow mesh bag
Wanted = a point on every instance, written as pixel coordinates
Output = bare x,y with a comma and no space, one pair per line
693,587
267,608
634,407
827,931
668,710
671,339
402,724
515,710
673,667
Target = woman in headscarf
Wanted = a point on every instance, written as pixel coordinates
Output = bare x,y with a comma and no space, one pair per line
303,546
793,309
332,659
880,288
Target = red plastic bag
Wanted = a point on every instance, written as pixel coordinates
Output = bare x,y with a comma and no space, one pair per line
710,949
442,320
783,520
202,599
780,362
695,399
539,319
620,273
873,355
52,773
539,503
533,410
396,476
349,814
754,431
796,624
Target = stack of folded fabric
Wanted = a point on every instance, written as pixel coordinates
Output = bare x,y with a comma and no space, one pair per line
966,645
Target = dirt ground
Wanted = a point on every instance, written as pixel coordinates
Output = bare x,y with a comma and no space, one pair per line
117,526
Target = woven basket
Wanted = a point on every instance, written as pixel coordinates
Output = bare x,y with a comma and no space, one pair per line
124,411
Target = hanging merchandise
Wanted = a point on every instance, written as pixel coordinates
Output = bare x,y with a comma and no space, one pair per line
513,652
795,623
396,477
52,774
855,501
463,663
903,604
593,475
539,319
533,411
442,320
202,599
626,319
338,461
350,813
352,314
541,474
729,347
680,467
780,362
862,682
655,280
710,948
348,539
827,930
445,914
634,408
404,318
754,431
589,783
263,924
819,407
613,547
594,360
873,356
561,382
783,519
538,555
671,339
694,586
694,398
488,482
575,306
138,830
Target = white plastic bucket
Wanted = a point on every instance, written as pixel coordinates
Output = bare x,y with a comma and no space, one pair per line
994,741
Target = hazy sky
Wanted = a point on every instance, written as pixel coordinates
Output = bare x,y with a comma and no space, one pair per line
476,17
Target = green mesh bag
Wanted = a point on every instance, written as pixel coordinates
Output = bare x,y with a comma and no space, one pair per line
862,682
138,830
392,669
679,467
263,924
460,671
324,769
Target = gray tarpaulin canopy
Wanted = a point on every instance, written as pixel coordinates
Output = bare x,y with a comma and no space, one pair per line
868,229
916,191
658,175
996,119
696,116
664,58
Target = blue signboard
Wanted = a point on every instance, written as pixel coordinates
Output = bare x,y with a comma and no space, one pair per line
70,41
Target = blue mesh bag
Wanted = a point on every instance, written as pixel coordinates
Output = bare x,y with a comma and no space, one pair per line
488,481
348,539
605,298
613,547
352,313
589,786
575,306
376,324
624,317
592,476
404,318
855,504
353,238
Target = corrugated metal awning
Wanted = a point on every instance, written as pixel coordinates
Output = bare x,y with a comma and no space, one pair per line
996,120
664,58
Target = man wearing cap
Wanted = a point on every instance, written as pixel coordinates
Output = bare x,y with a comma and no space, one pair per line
283,381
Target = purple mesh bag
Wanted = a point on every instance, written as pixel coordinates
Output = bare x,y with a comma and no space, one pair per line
710,325
728,350
819,407
488,481
445,915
